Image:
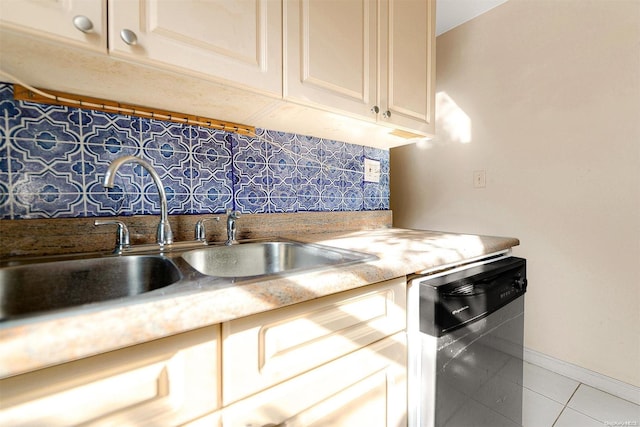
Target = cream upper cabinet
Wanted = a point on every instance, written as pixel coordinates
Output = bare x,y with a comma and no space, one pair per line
330,55
407,64
236,41
369,59
79,22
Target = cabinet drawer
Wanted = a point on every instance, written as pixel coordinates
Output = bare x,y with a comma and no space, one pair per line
265,349
364,388
167,381
54,20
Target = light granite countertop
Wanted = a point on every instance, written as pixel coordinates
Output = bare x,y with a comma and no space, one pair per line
70,334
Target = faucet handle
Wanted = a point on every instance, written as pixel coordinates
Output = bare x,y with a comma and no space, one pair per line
200,233
122,236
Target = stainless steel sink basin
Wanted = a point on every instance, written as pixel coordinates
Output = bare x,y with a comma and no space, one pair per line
266,258
38,287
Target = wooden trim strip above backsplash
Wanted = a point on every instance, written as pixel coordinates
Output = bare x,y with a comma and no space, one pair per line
61,98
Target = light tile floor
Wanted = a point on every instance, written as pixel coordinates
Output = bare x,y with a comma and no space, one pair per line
552,400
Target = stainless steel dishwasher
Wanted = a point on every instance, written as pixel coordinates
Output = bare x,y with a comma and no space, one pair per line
465,343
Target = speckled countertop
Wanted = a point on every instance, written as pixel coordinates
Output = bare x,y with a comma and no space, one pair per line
200,301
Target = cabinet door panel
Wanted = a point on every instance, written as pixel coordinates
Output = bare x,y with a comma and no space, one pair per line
331,54
168,381
267,348
364,388
54,20
238,41
407,71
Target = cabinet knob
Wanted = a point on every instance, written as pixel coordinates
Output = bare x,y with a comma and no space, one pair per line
129,37
386,114
82,23
375,109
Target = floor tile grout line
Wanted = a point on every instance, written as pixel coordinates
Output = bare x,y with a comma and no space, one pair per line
573,394
565,405
558,417
544,395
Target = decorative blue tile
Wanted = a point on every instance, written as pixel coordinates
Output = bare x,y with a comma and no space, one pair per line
170,166
331,201
206,138
4,160
178,199
45,151
128,180
353,199
8,109
354,166
201,169
212,202
332,152
164,136
206,179
6,92
282,147
251,199
44,122
3,137
283,204
5,197
284,180
112,202
308,169
45,194
249,150
308,198
45,130
112,132
309,146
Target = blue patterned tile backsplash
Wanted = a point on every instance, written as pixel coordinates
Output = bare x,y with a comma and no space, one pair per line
53,160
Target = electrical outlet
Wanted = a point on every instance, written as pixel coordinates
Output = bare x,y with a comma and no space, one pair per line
371,170
479,179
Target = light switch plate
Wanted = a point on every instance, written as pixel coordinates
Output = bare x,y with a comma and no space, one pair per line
479,179
371,170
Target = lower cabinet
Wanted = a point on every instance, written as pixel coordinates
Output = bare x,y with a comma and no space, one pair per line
364,388
268,348
164,382
337,361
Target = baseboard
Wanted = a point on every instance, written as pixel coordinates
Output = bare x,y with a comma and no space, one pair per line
601,382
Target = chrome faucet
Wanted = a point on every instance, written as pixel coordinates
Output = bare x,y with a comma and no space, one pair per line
164,235
232,216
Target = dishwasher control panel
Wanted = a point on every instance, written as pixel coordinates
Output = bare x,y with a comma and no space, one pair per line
450,301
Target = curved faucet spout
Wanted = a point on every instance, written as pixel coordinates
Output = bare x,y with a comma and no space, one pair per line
165,235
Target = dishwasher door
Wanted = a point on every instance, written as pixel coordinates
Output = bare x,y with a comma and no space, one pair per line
469,376
477,371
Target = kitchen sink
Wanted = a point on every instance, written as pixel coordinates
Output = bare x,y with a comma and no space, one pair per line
42,286
267,258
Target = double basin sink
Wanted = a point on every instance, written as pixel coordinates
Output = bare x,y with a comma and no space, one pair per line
34,288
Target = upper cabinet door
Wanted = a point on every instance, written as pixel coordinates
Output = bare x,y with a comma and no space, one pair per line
236,41
407,64
79,22
330,54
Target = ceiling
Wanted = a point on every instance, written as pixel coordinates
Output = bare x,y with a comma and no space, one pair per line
451,13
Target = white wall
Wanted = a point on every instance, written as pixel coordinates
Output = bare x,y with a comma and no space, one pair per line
545,96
